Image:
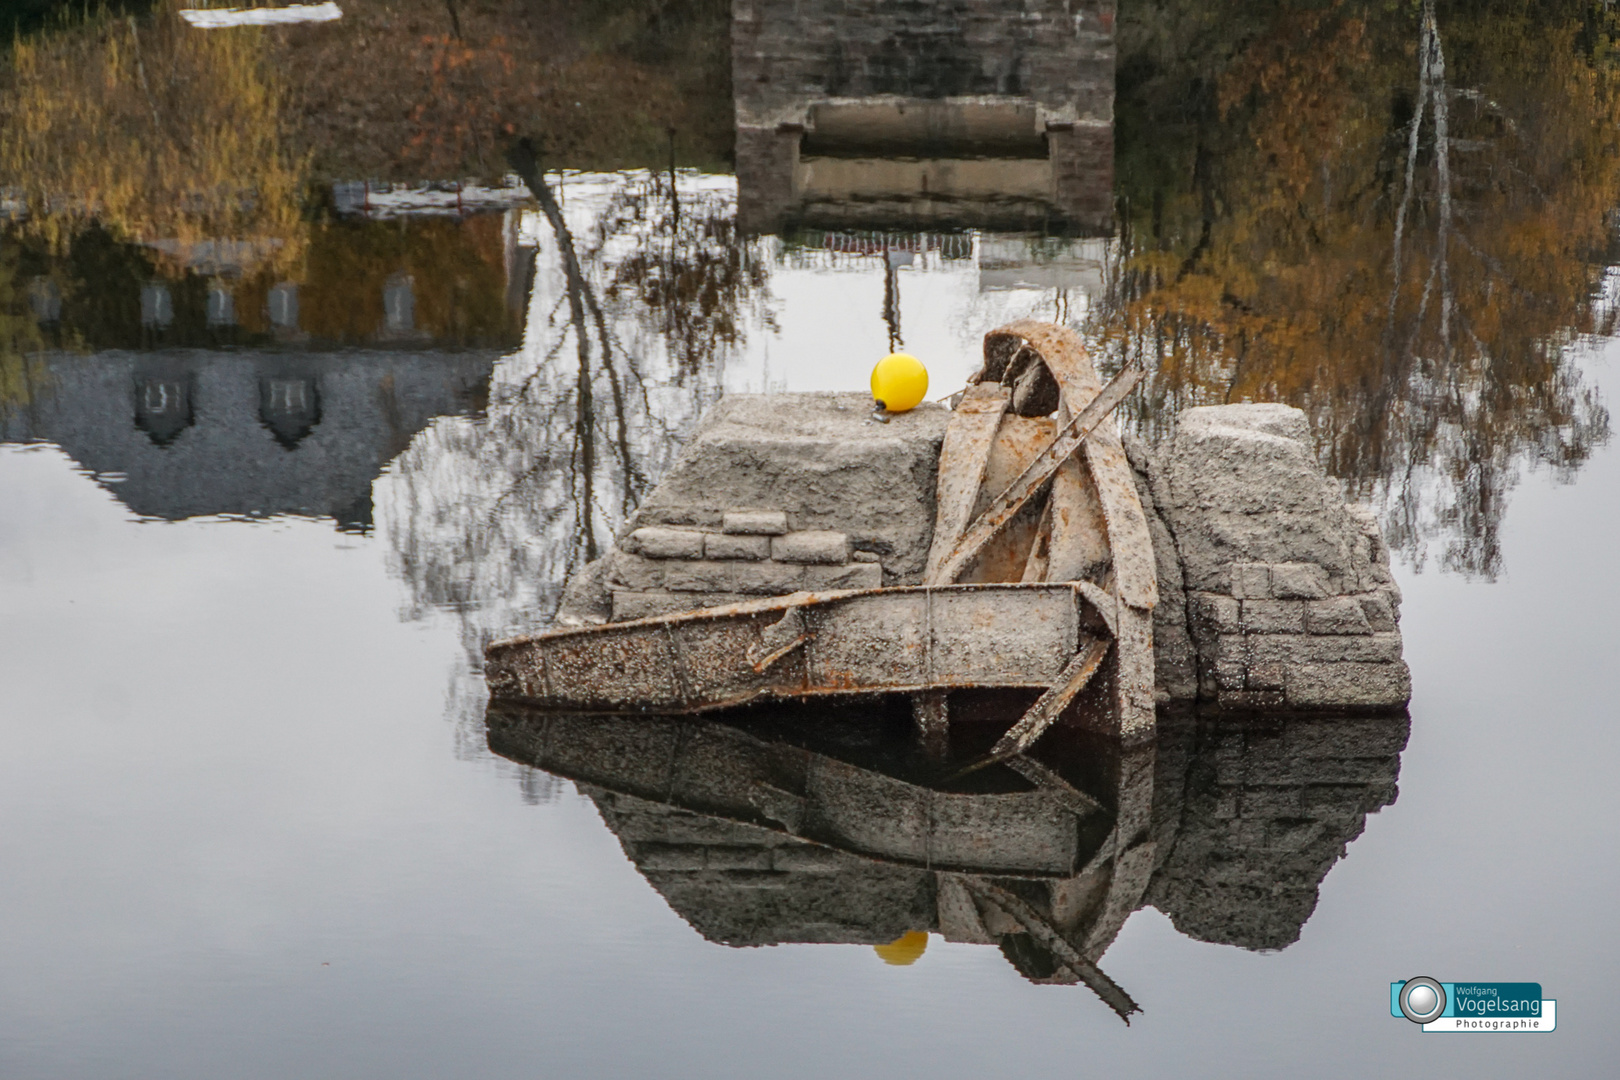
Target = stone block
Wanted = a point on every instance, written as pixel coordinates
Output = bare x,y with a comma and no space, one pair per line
738,858
697,575
635,604
808,859
1266,676
766,578
1231,668
1298,581
1292,835
822,546
1239,458
1285,801
680,857
729,546
1250,699
1349,685
695,516
852,576
1378,610
1214,612
866,556
1273,616
1251,581
662,543
1211,540
755,522
815,458
1286,649
1340,615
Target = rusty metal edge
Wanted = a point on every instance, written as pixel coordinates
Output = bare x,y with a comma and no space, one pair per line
767,604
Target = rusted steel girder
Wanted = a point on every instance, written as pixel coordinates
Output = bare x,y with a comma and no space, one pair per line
854,642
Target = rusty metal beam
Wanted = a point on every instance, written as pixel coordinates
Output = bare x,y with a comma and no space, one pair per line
1041,715
1053,940
1060,449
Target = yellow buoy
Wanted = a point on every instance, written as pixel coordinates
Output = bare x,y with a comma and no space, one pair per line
899,382
904,949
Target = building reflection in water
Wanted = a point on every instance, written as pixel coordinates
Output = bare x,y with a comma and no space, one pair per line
994,115
825,823
200,381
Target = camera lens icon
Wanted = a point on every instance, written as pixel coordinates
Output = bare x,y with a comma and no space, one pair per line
1422,1000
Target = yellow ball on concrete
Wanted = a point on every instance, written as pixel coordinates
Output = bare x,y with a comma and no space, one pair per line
899,382
903,950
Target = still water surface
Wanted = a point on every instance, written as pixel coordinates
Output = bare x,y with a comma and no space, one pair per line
274,468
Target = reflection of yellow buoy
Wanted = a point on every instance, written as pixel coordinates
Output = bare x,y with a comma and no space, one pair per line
899,382
904,949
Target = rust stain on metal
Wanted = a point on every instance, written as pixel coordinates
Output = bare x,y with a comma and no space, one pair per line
1051,704
1067,441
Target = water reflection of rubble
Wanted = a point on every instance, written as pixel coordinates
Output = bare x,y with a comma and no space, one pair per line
1251,817
795,824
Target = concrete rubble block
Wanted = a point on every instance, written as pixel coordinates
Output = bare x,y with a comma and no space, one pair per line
1350,685
1247,458
663,543
822,546
1273,616
1298,581
755,522
729,546
1340,615
1251,581
817,459
853,576
1287,649
1211,540
1380,613
1213,612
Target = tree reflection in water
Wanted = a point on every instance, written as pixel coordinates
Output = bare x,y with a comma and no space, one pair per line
640,293
1397,224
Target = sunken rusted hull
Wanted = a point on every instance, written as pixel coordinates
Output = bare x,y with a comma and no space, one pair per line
859,642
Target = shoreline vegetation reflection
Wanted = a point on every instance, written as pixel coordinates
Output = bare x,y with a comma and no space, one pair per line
1399,219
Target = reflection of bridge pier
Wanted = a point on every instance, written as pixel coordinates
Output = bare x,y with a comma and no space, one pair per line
980,113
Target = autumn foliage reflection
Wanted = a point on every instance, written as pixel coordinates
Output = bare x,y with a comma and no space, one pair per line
154,131
1414,269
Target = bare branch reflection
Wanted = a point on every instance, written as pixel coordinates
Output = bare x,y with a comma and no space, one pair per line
640,295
